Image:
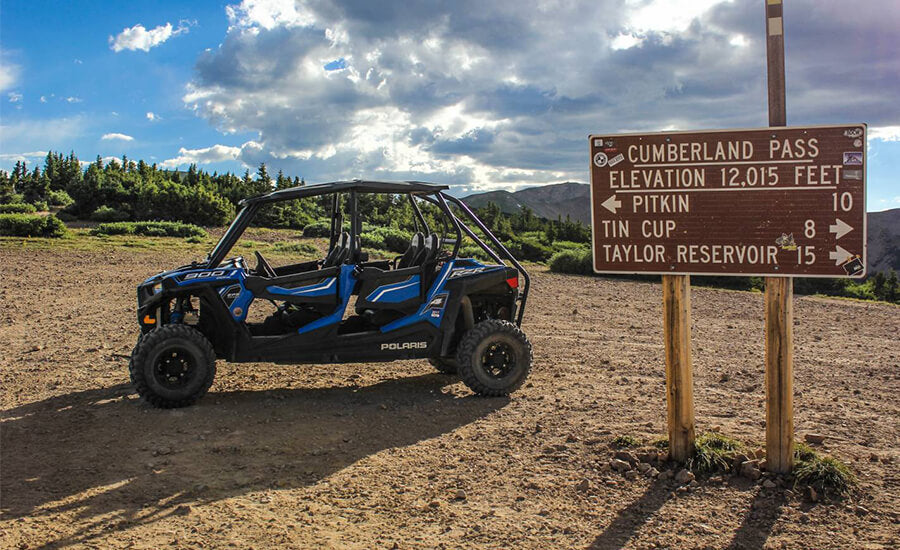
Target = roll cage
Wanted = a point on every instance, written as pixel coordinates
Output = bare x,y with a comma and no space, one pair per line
429,192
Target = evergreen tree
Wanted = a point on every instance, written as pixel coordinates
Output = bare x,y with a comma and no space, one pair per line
35,187
262,179
7,193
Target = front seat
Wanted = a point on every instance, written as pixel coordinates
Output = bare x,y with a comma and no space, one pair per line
339,253
409,258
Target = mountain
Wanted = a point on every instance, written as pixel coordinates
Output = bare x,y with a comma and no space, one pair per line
883,242
574,199
547,201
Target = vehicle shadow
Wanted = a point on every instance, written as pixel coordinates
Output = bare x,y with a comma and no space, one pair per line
632,517
97,454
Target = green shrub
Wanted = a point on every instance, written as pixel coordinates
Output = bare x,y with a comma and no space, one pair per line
318,229
31,225
473,251
372,241
17,208
826,474
66,216
150,229
577,262
305,249
569,245
395,240
536,235
41,206
713,452
529,249
108,214
59,198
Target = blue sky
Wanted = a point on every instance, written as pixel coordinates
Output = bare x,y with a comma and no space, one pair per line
477,95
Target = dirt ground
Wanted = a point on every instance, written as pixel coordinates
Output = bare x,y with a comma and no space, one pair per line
395,455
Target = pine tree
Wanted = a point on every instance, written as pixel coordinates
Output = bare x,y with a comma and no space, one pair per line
6,188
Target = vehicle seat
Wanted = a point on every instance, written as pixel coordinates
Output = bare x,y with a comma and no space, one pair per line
339,253
413,252
431,250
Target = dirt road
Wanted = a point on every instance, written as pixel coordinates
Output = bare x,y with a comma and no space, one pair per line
397,456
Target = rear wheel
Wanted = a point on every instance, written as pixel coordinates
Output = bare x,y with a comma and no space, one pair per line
494,357
172,366
445,365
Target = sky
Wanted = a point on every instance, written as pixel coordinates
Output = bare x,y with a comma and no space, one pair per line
478,95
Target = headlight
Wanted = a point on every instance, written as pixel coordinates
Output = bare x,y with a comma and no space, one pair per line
157,288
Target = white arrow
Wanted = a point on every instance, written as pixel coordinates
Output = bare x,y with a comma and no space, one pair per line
611,204
838,255
840,228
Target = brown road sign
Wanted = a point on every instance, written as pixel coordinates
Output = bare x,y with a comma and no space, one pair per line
768,201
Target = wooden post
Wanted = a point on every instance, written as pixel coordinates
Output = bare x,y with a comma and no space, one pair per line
679,373
779,290
779,374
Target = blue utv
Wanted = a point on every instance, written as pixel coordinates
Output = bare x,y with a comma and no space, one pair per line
463,315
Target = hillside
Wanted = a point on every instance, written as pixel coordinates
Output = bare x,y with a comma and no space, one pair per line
883,241
560,199
547,201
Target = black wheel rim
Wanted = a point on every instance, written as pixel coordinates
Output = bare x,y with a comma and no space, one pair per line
174,368
498,359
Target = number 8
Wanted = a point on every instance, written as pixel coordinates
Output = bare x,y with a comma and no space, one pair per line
810,231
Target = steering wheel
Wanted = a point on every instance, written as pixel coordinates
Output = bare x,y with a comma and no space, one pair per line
261,263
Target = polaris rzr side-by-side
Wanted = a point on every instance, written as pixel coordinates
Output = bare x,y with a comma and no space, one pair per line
461,314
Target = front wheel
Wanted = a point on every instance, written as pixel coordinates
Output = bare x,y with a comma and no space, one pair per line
172,366
494,358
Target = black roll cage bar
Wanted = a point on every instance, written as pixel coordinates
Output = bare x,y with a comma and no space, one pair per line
428,192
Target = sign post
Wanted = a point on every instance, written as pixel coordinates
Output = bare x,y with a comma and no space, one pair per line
779,290
679,371
767,202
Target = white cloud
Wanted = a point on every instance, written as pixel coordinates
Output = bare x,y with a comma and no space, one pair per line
477,94
739,41
152,117
14,97
269,14
139,38
43,99
666,15
73,99
885,133
9,74
625,41
207,155
23,156
114,135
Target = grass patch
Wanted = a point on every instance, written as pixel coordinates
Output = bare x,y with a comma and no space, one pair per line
624,441
825,473
661,443
150,229
305,249
713,452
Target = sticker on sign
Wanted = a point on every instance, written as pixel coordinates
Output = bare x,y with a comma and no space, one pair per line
767,202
